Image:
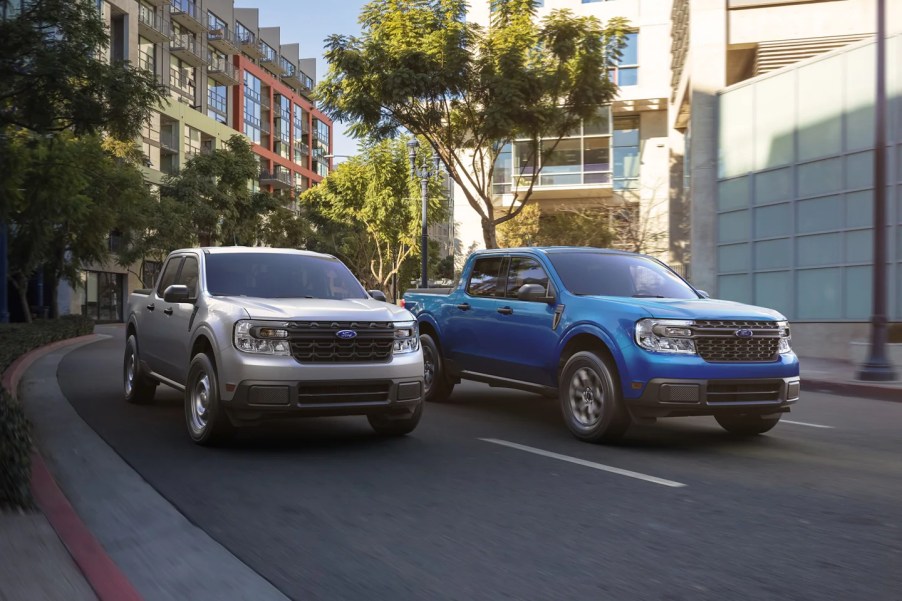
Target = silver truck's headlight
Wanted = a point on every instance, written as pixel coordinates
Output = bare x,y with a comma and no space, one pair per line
665,336
785,337
407,337
266,338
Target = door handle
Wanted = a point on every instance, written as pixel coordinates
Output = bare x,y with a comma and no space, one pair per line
151,307
464,306
505,310
168,311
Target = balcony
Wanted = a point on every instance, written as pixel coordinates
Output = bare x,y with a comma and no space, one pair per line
293,79
152,26
185,13
223,40
182,81
249,45
186,48
265,102
279,179
221,71
158,2
169,142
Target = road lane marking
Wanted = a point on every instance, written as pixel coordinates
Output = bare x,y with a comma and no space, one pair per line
584,463
786,421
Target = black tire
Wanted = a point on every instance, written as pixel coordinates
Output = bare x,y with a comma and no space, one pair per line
139,388
437,388
590,398
205,417
747,425
394,425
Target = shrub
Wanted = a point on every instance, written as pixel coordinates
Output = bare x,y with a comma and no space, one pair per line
15,431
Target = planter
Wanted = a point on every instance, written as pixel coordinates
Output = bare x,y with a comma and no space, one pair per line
859,351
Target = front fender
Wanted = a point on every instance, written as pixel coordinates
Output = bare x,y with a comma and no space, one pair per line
612,341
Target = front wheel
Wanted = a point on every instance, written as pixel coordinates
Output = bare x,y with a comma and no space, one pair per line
391,425
207,422
139,389
437,387
747,425
590,399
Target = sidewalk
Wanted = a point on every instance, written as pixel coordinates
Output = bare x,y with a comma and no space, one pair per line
156,549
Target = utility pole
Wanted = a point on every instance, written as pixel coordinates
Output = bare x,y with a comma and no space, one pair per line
877,368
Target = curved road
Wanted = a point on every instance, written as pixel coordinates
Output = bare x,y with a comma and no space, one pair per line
324,509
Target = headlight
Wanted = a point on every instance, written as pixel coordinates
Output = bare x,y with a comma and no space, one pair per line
407,337
266,338
785,337
665,336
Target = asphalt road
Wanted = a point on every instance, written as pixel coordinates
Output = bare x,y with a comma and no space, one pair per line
324,509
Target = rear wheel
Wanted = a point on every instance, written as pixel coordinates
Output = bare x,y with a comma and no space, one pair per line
396,425
590,399
747,425
207,422
437,387
139,388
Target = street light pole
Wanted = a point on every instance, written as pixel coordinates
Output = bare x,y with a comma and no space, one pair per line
424,172
877,367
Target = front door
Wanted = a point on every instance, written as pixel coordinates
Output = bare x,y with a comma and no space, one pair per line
175,320
152,333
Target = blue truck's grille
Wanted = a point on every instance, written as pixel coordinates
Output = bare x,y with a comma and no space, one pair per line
318,341
716,341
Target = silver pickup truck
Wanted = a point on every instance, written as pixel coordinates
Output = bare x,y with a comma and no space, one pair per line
255,333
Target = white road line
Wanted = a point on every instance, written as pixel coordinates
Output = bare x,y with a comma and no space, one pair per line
786,421
583,462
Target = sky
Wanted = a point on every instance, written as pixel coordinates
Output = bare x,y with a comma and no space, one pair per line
308,23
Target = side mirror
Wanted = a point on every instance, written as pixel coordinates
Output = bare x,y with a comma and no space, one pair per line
177,293
704,294
533,292
378,295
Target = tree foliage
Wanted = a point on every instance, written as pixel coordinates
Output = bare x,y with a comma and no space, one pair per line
468,91
53,76
561,227
375,204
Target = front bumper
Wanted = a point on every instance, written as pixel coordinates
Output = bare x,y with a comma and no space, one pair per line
671,397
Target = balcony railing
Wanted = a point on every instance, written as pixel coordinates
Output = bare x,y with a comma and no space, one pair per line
249,44
146,61
221,70
279,178
181,81
169,141
223,40
152,26
185,47
185,13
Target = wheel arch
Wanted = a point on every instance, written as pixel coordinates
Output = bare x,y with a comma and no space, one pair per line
595,340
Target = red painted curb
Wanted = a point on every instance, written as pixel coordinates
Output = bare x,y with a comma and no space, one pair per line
101,572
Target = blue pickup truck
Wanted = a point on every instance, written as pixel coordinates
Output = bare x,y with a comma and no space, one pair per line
617,337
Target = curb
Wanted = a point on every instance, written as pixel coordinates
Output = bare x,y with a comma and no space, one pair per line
867,390
102,574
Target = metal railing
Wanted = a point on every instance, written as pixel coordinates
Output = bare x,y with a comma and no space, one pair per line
150,19
146,61
184,6
181,81
185,42
218,63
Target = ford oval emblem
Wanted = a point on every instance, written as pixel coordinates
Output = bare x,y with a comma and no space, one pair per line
745,333
346,334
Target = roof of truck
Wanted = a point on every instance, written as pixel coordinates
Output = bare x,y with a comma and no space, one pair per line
223,250
556,250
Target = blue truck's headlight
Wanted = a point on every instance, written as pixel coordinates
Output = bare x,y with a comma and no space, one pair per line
265,338
785,338
665,336
407,338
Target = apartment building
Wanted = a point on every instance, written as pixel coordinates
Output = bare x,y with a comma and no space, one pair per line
619,159
772,123
225,75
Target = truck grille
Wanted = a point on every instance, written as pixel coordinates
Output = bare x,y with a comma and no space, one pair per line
318,341
717,342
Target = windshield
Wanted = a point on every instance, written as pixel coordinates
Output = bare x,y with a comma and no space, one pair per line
272,275
602,274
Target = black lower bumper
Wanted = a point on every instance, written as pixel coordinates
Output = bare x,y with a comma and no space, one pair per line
254,400
677,397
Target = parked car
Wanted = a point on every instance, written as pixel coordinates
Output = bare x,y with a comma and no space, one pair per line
617,337
256,333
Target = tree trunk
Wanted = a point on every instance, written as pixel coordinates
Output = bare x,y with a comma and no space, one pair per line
488,233
22,290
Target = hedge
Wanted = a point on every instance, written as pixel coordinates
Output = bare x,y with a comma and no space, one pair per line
15,432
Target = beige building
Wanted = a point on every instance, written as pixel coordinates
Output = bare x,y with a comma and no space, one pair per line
620,159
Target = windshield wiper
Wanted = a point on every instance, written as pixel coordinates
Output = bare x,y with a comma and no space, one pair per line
648,296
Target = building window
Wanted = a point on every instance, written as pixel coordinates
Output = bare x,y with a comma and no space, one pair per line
244,35
217,26
217,101
252,110
282,125
320,147
301,129
626,153
269,53
626,73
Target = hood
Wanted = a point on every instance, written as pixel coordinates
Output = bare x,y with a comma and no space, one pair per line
303,309
700,308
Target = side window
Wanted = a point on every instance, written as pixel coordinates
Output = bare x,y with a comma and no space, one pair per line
524,270
188,275
169,273
484,278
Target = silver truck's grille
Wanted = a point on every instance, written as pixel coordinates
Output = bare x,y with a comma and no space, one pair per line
716,341
318,341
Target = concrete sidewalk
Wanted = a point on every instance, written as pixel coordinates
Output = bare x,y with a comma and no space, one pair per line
156,548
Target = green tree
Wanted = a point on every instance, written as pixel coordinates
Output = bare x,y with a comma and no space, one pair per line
469,91
54,76
286,229
560,227
72,193
375,195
